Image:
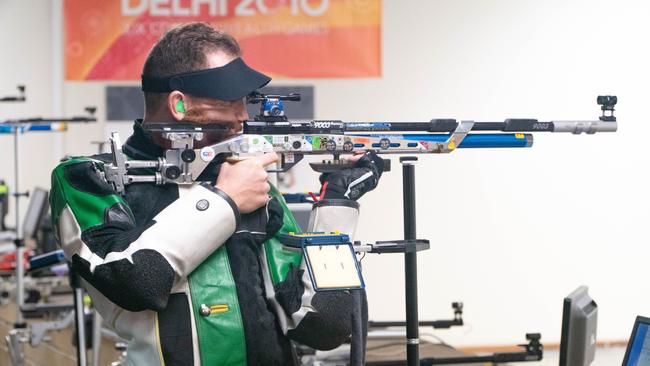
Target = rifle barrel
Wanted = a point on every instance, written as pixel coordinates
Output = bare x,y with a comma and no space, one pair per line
434,126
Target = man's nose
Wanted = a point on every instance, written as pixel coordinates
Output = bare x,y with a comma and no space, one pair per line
242,113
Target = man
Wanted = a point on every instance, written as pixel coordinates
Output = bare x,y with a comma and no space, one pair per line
194,274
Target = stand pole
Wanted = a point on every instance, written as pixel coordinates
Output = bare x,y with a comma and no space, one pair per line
75,282
410,263
19,241
97,336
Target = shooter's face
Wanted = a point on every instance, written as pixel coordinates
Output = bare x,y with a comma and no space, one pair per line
230,114
214,111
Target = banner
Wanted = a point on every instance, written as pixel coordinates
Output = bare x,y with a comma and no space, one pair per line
110,39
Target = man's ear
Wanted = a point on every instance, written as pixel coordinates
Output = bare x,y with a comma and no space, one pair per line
176,105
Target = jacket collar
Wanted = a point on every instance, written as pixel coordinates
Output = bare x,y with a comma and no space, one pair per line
140,145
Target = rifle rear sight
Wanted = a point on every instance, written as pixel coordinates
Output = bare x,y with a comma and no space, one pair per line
271,108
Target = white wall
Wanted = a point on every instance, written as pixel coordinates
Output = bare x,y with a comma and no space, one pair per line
26,56
512,231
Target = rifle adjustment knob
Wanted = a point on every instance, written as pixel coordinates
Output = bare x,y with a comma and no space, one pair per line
330,145
188,155
172,172
243,147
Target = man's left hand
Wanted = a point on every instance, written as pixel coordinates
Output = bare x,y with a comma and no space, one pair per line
352,183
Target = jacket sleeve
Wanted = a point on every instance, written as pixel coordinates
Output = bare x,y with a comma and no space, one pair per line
321,320
134,266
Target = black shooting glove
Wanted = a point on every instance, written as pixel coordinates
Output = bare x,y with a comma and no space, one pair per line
352,183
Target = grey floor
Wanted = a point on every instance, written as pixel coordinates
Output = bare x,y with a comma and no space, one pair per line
604,357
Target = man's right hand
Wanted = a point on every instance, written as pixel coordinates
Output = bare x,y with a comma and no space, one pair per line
246,181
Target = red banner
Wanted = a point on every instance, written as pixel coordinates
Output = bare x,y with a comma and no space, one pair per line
110,39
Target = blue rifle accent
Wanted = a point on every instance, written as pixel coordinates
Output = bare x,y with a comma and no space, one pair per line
479,140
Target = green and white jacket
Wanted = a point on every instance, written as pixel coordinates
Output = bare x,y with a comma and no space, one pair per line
187,280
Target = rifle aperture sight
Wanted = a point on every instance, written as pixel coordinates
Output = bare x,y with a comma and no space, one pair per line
607,103
271,108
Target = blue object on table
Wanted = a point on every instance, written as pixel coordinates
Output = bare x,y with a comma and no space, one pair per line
46,260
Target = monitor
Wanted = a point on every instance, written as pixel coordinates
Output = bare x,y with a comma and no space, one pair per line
37,208
638,348
579,321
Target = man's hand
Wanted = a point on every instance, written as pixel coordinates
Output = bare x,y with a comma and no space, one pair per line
246,182
354,182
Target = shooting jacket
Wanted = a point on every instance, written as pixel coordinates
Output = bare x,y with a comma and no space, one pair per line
183,276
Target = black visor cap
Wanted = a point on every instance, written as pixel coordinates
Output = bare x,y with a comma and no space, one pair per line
232,81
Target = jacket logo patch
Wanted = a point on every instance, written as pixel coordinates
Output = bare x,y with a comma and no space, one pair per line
202,205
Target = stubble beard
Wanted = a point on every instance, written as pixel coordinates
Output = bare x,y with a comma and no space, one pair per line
231,128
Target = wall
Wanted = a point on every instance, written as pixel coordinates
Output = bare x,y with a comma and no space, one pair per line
26,59
512,231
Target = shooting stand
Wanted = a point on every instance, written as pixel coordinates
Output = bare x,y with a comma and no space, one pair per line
410,246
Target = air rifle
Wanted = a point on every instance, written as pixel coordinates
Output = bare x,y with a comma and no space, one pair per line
45,124
40,123
271,130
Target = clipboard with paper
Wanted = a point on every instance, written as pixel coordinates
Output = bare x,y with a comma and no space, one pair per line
330,259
